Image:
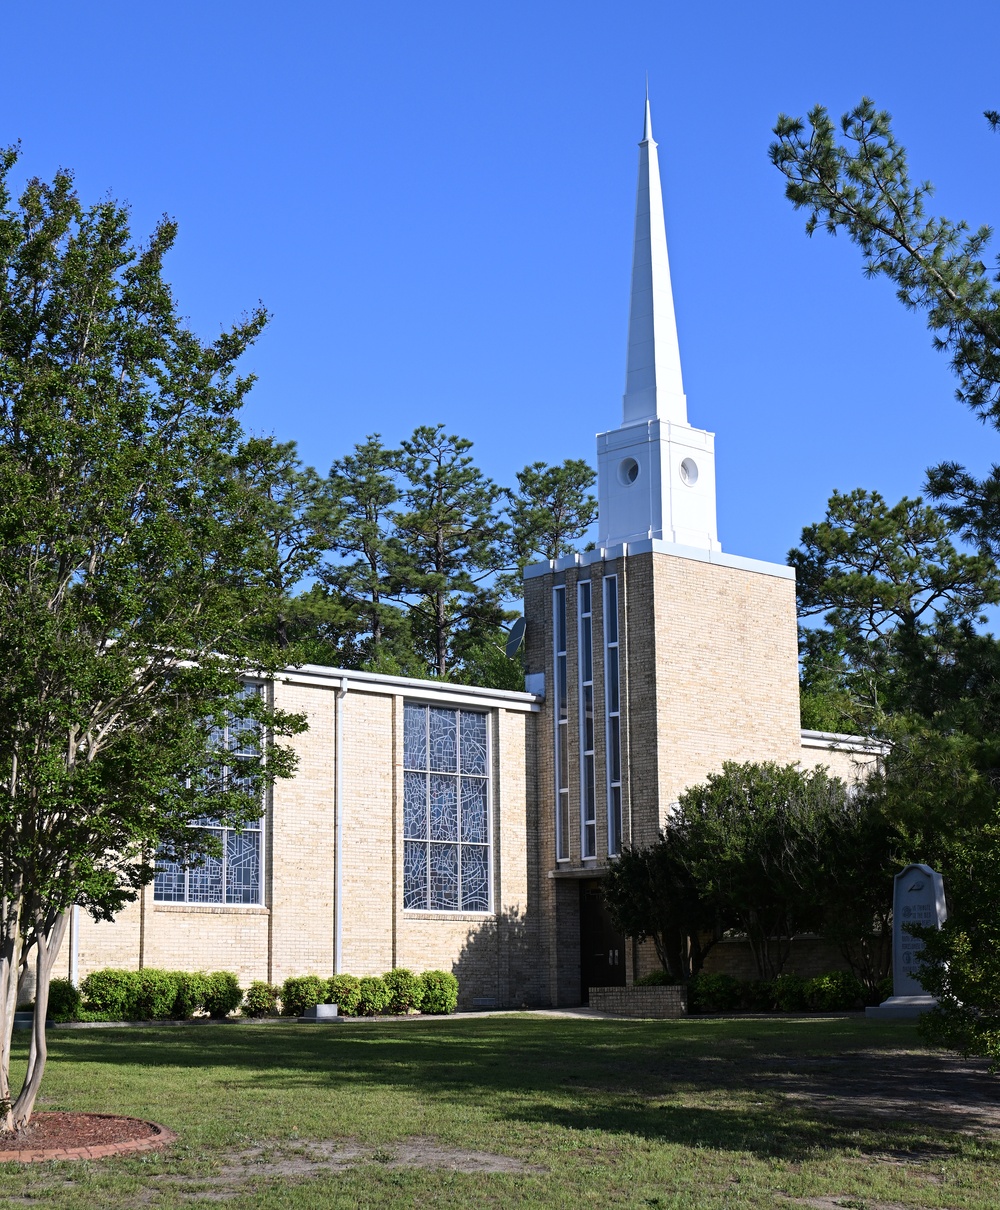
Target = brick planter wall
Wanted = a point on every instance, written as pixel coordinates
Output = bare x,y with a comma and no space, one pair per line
640,1001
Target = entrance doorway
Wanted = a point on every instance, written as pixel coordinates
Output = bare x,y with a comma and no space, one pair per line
602,947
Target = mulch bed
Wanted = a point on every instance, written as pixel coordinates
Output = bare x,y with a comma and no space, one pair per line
81,1136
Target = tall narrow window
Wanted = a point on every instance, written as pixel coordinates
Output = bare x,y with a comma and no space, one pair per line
612,714
562,725
446,849
588,795
235,875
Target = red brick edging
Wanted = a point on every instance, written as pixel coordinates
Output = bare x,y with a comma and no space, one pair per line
28,1155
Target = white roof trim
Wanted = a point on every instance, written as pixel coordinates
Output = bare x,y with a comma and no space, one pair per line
409,686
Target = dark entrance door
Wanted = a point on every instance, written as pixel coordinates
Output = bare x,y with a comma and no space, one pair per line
602,949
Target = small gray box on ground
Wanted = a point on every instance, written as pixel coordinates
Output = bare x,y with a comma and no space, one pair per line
322,1012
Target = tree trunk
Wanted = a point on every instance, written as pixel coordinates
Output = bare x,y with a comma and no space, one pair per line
10,963
46,951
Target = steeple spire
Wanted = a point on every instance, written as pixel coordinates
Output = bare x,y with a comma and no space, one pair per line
653,383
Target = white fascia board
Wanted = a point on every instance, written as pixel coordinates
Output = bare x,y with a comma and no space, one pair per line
843,743
645,546
322,677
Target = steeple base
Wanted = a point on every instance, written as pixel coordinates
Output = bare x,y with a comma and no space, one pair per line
656,479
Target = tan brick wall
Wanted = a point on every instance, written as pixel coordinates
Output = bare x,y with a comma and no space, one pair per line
726,655
495,955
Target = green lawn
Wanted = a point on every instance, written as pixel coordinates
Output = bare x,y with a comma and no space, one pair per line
527,1111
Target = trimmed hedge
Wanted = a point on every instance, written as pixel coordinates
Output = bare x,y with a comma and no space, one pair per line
837,991
156,995
153,995
440,992
301,992
261,999
373,996
345,992
406,992
64,1000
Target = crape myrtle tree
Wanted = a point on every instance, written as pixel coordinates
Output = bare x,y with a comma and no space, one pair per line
768,851
941,774
137,581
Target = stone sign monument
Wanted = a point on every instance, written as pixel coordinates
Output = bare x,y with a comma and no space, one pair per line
918,899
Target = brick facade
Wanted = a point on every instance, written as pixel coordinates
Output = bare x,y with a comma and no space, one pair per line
708,673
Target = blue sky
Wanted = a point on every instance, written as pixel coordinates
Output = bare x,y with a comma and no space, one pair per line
435,201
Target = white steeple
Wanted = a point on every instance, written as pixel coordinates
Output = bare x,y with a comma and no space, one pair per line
653,383
656,474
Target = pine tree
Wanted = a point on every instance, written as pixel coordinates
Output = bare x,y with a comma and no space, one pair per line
450,545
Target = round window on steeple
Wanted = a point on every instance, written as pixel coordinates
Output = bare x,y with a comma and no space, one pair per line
689,472
628,471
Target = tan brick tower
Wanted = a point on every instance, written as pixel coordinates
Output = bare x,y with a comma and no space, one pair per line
662,656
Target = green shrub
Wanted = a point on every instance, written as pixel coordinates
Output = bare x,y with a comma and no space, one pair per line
710,993
789,994
191,991
301,992
440,992
406,992
838,991
373,996
885,989
223,994
756,995
657,978
345,992
111,993
64,1000
153,995
261,1000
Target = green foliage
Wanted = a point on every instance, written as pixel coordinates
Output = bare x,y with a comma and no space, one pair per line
345,992
838,991
261,999
111,992
754,845
896,597
486,663
655,893
657,978
145,995
440,992
406,991
223,994
789,993
65,1000
141,574
190,993
712,993
152,995
300,992
757,995
550,511
768,851
450,539
373,996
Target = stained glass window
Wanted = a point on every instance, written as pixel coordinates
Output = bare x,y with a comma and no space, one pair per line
446,854
235,877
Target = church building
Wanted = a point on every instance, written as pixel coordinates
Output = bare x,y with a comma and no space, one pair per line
445,826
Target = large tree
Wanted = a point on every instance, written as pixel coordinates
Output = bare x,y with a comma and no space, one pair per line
550,511
897,599
451,544
941,774
137,581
